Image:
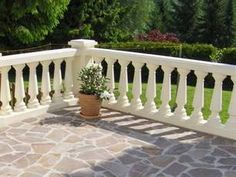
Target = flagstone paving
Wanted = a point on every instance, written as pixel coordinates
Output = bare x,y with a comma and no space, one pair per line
61,144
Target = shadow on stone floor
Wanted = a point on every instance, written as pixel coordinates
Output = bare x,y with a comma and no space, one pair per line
164,150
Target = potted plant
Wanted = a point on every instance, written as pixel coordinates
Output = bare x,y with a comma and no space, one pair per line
93,90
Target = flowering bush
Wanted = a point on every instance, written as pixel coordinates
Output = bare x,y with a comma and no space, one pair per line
157,36
93,82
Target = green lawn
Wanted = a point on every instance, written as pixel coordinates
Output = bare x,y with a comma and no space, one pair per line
190,91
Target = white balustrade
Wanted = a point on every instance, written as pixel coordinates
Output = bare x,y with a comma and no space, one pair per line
111,81
5,92
166,92
33,86
19,89
57,81
198,100
150,106
83,52
122,100
46,85
68,94
136,103
181,99
216,101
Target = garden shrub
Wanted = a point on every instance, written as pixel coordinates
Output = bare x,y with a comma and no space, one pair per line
229,56
192,51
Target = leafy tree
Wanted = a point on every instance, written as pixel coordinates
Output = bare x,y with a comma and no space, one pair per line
184,13
161,18
229,22
29,21
103,20
211,22
97,19
136,15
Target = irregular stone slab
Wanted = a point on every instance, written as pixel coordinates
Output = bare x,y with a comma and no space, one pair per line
161,161
198,153
175,169
119,147
219,153
151,150
228,161
42,148
230,149
57,135
37,169
22,148
83,172
138,169
96,154
106,141
185,159
119,170
223,141
49,160
8,158
127,159
178,149
208,159
28,174
69,165
4,148
203,145
230,174
200,172
40,129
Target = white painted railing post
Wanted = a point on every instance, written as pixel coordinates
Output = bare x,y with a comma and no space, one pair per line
111,81
231,123
46,84
198,100
81,60
122,100
57,81
19,89
150,105
136,103
68,94
164,110
181,99
5,92
33,86
216,101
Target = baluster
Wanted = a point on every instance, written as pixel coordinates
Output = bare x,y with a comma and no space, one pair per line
198,100
57,81
33,86
19,89
181,98
111,81
5,92
46,85
232,108
150,105
122,100
68,94
216,101
166,92
136,102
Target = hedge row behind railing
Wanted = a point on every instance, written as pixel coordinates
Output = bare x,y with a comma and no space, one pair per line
203,52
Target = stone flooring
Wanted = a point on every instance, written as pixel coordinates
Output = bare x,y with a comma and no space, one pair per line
61,144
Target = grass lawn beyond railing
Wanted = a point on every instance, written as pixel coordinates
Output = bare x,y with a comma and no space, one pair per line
190,95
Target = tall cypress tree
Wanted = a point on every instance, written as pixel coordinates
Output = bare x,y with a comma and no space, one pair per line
211,23
184,13
229,22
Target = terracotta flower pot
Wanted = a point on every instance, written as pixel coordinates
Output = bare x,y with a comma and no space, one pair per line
90,106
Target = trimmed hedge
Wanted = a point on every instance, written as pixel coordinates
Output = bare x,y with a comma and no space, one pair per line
229,56
193,51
